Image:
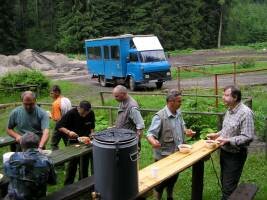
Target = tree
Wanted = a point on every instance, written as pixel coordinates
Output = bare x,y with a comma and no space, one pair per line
76,26
210,12
8,39
221,2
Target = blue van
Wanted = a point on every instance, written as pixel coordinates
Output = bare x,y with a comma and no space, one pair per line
127,59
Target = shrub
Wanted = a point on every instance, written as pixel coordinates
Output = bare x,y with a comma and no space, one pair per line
247,63
27,77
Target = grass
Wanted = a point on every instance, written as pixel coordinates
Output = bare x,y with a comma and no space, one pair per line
77,56
216,69
259,47
255,170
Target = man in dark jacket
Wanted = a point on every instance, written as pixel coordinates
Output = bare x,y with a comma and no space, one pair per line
29,171
78,122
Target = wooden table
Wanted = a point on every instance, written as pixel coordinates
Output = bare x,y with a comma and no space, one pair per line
6,140
175,163
67,153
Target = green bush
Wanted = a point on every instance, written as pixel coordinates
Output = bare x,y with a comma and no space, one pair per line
27,77
247,63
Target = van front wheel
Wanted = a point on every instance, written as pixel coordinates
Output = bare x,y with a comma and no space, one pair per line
103,81
132,84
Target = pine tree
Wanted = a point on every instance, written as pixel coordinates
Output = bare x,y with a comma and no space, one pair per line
8,33
76,26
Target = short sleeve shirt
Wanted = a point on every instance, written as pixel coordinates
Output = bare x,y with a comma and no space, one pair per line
74,122
24,122
55,110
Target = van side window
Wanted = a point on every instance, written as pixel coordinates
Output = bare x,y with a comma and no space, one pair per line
106,52
94,53
115,52
133,57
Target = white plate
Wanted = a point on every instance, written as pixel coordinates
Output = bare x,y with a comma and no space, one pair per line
184,148
46,152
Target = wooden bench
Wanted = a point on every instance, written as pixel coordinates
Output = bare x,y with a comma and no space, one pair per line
245,191
74,190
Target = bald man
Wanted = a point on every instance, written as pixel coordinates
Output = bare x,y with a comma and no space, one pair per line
28,118
129,116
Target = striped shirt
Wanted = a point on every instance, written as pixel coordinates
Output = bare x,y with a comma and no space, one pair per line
238,126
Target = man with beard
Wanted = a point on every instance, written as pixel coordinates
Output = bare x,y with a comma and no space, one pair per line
28,118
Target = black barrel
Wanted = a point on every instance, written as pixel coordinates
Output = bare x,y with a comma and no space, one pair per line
115,156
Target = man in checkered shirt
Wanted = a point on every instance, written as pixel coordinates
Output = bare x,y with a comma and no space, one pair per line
236,134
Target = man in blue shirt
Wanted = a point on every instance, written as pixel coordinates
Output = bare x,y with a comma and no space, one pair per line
29,118
29,171
165,133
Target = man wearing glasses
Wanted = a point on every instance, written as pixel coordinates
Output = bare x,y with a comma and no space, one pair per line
78,122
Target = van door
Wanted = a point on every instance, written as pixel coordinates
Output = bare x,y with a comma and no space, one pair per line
133,67
113,65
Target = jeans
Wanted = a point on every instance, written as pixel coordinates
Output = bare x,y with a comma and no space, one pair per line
231,170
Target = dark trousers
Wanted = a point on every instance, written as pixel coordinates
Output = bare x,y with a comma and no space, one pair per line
72,168
231,170
168,184
55,139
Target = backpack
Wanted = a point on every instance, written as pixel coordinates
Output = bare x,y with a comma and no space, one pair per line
65,105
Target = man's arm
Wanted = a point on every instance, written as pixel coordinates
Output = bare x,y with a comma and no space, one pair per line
62,126
13,134
11,125
136,116
44,138
153,132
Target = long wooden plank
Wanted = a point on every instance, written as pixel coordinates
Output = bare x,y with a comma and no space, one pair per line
172,165
6,140
74,190
69,152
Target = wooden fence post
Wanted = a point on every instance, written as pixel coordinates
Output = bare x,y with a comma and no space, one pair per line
234,75
216,89
102,98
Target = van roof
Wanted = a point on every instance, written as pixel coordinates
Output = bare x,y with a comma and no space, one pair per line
119,37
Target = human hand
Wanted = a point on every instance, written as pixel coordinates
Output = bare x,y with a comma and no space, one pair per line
222,140
49,114
212,136
139,133
154,142
17,138
72,134
190,133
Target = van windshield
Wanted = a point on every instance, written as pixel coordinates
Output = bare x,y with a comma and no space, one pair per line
152,56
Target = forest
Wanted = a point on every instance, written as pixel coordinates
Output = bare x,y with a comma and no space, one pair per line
62,26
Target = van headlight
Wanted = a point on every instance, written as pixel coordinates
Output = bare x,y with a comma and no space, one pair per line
147,76
168,73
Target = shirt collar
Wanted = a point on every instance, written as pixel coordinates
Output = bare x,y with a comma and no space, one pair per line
170,114
235,109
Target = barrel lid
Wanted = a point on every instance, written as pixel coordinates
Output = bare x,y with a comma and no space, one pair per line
115,135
